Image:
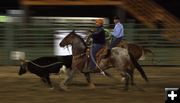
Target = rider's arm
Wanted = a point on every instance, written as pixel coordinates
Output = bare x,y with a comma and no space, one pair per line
118,31
98,31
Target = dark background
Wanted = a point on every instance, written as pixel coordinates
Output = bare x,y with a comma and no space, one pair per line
96,11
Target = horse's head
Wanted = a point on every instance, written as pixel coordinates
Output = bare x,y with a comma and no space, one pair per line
22,69
68,39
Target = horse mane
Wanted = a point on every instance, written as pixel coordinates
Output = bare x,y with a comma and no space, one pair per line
80,38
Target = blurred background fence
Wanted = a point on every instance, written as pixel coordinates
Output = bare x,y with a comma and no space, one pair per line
37,39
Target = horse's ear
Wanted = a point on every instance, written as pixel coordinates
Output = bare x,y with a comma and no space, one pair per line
73,31
22,61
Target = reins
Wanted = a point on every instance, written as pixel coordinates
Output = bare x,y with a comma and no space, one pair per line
82,54
79,55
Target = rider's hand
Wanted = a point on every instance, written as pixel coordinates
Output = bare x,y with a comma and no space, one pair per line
91,31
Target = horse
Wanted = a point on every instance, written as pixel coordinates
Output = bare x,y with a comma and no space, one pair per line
80,59
140,53
137,53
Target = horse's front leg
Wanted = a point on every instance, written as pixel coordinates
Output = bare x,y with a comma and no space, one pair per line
66,79
88,79
70,77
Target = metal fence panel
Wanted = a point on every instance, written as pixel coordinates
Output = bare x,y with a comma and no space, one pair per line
38,40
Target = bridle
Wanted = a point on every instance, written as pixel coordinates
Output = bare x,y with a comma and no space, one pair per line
78,55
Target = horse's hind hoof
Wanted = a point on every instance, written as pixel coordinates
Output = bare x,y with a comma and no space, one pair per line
64,88
51,88
91,86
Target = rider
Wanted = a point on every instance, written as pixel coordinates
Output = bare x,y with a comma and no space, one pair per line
98,37
117,35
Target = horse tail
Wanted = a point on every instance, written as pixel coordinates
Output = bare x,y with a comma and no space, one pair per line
139,68
146,51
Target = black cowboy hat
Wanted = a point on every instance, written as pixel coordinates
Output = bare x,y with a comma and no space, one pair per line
117,17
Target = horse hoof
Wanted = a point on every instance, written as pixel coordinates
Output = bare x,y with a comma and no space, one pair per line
51,88
92,86
64,88
123,79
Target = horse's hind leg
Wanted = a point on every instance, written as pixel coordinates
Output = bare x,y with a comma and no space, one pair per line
127,76
110,76
131,74
132,78
88,78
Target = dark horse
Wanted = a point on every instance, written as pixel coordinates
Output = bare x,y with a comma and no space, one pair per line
80,59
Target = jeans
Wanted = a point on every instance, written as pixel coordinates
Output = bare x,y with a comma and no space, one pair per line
95,48
114,42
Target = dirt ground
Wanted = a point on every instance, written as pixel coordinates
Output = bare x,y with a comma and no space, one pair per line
29,89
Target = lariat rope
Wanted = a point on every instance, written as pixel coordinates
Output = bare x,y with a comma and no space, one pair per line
88,40
82,54
102,72
45,66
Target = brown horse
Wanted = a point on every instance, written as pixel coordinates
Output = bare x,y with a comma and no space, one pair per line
80,59
137,53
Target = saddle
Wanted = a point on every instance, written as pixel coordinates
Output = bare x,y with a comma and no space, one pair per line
103,51
123,44
86,67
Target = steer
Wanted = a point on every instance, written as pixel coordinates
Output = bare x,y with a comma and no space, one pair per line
44,66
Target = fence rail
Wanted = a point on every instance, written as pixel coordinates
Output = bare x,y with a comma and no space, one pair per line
38,40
